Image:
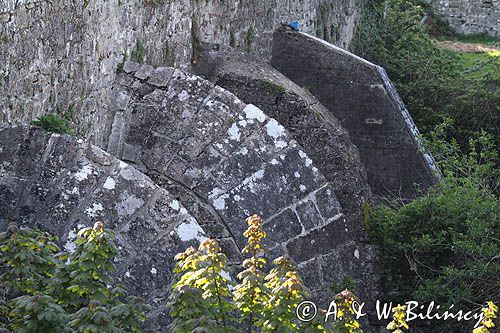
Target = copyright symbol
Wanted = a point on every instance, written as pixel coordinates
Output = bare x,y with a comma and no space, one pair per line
306,311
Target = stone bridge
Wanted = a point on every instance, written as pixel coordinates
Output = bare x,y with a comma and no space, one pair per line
182,159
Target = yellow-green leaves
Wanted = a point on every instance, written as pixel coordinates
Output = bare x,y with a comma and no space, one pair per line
398,323
490,314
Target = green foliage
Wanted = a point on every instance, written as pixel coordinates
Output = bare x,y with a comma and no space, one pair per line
200,297
444,245
51,291
204,300
38,313
250,293
54,123
433,82
137,53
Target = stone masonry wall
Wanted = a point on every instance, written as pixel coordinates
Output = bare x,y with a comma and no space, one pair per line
363,98
61,184
62,56
225,160
471,16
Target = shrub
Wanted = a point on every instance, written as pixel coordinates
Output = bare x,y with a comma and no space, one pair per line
54,123
137,53
444,245
434,83
204,299
52,291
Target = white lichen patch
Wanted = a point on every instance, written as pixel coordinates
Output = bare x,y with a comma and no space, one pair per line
129,205
274,129
84,173
356,254
153,270
302,188
189,230
253,112
175,205
93,210
109,184
308,160
215,192
220,202
123,165
243,151
70,245
259,174
274,161
234,132
251,182
296,174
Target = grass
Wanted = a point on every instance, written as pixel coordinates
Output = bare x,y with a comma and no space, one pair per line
54,123
473,39
480,65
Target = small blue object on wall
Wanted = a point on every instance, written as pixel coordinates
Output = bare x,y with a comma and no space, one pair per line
294,25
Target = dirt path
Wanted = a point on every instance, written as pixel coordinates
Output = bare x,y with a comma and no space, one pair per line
465,47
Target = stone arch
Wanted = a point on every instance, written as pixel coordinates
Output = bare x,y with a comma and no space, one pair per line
61,184
224,160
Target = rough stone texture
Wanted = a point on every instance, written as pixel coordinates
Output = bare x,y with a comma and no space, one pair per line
63,55
471,16
362,97
321,135
60,184
225,160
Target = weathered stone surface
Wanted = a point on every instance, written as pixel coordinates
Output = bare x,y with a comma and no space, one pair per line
471,17
64,55
60,184
225,160
362,97
320,134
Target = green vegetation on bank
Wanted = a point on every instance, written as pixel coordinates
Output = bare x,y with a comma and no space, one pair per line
47,290
435,83
444,246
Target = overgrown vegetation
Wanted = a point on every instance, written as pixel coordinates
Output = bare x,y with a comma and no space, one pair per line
443,246
137,53
55,123
46,290
205,299
434,83
250,37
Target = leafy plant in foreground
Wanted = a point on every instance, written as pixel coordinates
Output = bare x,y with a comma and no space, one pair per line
51,291
201,293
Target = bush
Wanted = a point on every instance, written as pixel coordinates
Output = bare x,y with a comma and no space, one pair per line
444,246
54,123
204,299
51,291
434,83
